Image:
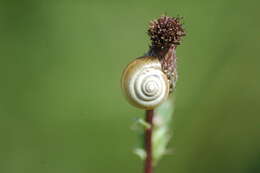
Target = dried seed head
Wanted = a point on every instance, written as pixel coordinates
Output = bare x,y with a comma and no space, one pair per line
166,31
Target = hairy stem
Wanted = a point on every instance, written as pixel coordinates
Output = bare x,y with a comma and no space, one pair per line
148,142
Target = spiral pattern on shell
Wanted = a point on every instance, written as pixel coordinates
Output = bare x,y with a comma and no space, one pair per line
144,83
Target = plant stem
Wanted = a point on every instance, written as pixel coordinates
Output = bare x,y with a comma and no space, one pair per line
148,142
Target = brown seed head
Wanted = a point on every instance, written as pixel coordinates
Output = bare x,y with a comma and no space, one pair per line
166,31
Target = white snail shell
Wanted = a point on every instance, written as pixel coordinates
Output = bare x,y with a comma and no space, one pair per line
144,84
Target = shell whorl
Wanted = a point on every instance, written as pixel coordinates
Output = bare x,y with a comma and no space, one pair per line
144,84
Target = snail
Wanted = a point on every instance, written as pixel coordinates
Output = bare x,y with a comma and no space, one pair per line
144,84
147,81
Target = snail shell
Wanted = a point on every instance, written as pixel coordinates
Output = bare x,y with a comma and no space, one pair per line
144,84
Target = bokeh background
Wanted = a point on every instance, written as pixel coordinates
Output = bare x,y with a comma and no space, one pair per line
61,107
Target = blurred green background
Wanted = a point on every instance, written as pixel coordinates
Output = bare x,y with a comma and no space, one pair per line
61,107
